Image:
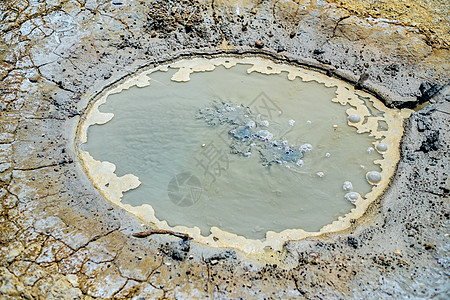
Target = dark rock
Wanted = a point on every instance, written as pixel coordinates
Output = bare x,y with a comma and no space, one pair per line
351,241
392,70
185,245
280,49
229,254
176,250
422,125
329,73
428,90
431,143
362,78
292,34
323,60
318,51
188,27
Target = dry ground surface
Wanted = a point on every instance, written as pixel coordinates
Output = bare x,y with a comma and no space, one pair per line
60,239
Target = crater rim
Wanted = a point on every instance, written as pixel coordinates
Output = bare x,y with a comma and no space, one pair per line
219,238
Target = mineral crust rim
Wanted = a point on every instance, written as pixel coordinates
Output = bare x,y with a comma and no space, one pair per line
112,187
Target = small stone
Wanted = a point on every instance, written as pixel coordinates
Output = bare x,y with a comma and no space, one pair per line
421,125
291,122
280,49
370,150
373,177
327,155
308,122
320,174
318,51
398,252
188,27
259,44
214,262
153,33
34,78
203,145
354,118
351,241
431,143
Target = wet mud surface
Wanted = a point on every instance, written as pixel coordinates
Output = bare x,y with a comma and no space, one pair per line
60,239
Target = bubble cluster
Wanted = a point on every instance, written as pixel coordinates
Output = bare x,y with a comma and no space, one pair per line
249,133
347,186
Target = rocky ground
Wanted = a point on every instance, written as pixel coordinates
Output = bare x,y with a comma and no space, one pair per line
60,239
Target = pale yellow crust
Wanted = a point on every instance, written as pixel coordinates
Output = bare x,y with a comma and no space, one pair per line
112,187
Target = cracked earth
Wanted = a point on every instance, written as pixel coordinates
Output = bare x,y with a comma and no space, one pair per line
59,239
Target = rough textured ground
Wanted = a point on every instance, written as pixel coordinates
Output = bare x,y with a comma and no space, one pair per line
60,239
430,17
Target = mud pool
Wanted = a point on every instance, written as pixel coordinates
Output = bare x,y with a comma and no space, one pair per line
246,148
62,239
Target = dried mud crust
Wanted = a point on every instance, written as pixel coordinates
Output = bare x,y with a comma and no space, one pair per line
430,17
60,239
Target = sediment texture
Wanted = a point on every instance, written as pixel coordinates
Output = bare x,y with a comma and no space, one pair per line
60,239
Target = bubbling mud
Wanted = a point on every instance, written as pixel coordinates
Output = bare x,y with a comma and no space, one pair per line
240,152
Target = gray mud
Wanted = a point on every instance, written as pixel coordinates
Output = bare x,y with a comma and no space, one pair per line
61,239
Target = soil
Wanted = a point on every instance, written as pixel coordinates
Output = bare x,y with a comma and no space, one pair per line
60,239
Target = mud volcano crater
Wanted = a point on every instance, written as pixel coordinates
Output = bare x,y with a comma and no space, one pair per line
240,152
74,186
